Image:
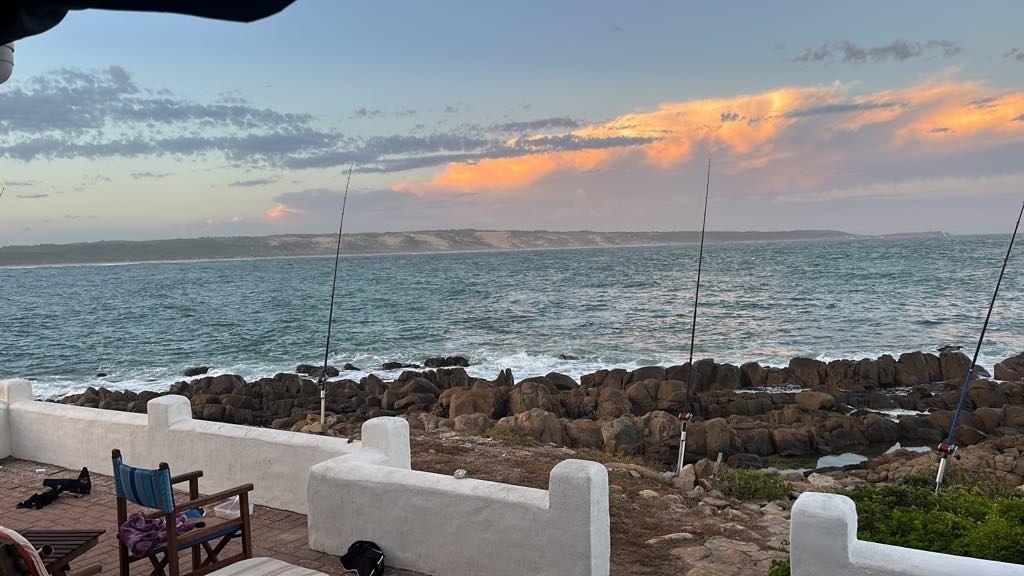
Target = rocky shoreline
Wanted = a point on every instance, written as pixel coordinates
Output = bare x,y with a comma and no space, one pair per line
825,408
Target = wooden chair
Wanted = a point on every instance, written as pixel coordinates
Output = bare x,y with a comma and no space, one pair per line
153,489
19,556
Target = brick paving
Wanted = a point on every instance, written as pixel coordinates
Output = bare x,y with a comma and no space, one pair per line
275,533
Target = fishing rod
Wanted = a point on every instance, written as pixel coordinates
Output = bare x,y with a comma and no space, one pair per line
322,380
946,448
685,416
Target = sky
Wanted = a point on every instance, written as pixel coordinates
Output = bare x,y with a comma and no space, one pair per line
868,117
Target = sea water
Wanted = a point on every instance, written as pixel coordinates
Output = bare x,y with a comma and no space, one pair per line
143,324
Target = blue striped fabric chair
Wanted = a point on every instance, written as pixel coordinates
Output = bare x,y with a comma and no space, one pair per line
154,490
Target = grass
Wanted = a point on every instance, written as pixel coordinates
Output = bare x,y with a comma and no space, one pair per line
779,568
971,519
752,484
604,457
510,436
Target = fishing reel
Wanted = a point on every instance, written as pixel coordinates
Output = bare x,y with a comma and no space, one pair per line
946,449
321,382
685,417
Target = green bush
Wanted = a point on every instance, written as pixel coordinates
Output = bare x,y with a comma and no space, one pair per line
966,520
779,568
752,484
510,436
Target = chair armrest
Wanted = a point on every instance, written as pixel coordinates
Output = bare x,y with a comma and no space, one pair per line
186,539
186,477
213,498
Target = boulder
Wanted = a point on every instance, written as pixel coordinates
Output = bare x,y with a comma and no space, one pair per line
398,366
561,381
717,437
806,372
472,423
446,361
917,368
1011,368
481,398
726,377
584,433
196,371
532,393
647,373
813,400
620,436
752,375
661,436
419,386
540,424
612,402
792,441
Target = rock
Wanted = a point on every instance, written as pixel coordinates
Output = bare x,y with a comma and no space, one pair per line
1011,368
104,374
821,480
348,367
752,375
648,494
677,537
314,371
917,368
815,400
446,361
717,437
620,436
196,371
792,441
806,372
481,398
540,424
398,366
472,423
561,381
647,373
419,386
726,377
584,433
612,402
660,436
460,474
686,480
568,357
532,393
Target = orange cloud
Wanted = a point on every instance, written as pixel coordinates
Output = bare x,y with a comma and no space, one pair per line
751,131
280,211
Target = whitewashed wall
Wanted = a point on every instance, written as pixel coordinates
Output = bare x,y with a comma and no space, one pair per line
276,462
437,524
823,540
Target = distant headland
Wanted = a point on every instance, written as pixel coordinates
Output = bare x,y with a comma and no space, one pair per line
425,241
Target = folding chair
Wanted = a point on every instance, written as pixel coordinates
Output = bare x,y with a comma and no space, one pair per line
153,489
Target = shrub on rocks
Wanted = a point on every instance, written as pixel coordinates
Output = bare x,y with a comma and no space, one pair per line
745,484
961,520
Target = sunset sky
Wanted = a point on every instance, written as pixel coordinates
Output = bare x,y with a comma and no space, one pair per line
866,117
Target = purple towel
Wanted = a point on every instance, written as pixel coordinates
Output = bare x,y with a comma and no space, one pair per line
141,534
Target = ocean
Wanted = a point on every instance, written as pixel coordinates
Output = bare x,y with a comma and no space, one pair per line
143,324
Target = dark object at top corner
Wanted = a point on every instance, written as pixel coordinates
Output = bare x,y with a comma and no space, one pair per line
23,18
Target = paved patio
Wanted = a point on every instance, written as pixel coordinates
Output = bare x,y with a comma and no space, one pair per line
276,533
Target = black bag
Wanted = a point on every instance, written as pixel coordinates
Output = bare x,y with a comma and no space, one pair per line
366,558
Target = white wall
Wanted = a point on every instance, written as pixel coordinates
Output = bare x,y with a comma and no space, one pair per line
436,524
823,540
276,462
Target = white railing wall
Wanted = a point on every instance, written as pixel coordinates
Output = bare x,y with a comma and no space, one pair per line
276,462
823,540
438,524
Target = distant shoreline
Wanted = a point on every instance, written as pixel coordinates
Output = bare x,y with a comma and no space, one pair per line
384,244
